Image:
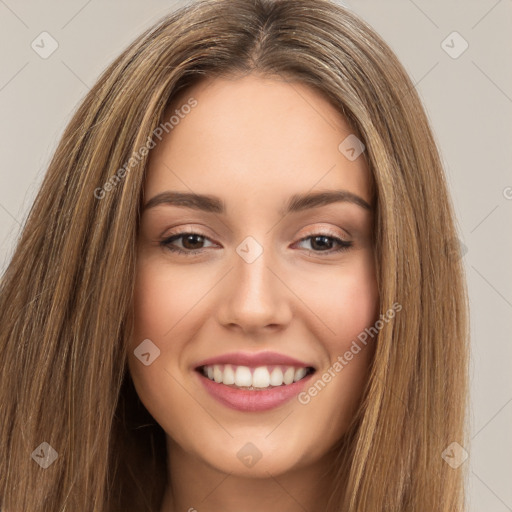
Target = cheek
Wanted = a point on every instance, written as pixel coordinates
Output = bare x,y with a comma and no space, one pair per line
357,301
163,299
358,310
345,301
161,305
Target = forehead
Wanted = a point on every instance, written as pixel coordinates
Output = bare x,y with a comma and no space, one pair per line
258,135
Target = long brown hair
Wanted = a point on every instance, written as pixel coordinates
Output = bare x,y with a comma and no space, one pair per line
66,297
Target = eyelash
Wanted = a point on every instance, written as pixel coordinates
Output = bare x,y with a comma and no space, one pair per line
344,245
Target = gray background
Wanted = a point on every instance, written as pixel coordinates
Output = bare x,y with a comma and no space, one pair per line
468,100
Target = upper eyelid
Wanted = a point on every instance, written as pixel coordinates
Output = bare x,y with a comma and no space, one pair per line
325,232
311,227
309,233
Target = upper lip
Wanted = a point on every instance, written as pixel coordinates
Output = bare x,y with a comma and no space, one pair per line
253,359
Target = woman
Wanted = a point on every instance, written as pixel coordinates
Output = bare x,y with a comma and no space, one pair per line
237,287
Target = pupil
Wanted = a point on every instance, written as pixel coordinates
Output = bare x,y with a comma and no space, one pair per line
192,237
322,245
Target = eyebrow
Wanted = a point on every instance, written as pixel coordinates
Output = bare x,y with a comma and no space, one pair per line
296,203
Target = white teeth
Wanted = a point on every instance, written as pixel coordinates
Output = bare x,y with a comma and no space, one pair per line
243,376
217,373
288,375
299,373
276,377
260,377
229,375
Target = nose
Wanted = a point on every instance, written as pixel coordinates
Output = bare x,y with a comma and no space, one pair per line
255,297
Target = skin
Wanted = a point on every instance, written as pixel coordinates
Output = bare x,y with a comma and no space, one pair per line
253,142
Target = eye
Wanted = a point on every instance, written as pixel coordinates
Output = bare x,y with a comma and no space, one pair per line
323,242
189,244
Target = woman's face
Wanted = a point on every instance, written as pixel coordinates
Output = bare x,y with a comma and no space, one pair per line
271,283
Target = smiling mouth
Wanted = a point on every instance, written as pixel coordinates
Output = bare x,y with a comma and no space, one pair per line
254,378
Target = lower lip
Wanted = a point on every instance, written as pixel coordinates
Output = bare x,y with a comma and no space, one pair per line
253,401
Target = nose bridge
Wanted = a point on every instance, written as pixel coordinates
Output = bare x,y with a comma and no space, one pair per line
256,297
253,280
